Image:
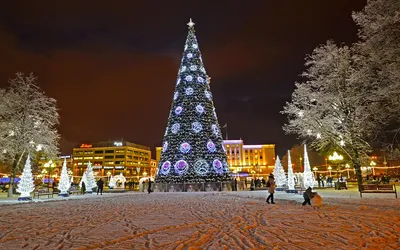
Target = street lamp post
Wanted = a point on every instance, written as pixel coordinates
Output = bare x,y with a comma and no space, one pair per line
315,172
49,165
373,164
330,169
348,168
336,157
108,176
138,172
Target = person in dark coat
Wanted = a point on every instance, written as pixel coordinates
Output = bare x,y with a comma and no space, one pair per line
252,185
100,185
271,189
308,195
83,188
149,188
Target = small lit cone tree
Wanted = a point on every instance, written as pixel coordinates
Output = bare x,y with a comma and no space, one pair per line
26,185
91,182
84,179
65,183
112,183
279,174
308,176
291,175
192,149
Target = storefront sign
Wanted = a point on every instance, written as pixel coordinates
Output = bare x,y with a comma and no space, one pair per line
118,144
108,167
86,145
119,167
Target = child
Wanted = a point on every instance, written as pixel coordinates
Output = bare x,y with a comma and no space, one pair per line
308,195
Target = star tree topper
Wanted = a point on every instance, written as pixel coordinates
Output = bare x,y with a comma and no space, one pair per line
190,23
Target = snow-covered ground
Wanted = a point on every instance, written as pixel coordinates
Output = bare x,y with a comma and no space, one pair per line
220,220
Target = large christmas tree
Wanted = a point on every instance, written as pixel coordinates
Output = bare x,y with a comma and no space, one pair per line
192,149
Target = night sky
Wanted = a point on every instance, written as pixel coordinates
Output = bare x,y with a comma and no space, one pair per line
112,65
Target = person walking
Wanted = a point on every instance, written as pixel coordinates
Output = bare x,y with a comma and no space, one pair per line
100,185
271,188
83,187
149,188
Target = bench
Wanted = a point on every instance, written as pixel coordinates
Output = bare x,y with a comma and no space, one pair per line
378,188
43,191
74,190
300,190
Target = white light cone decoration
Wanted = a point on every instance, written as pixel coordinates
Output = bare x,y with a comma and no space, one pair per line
291,176
26,185
112,183
64,184
91,182
279,174
84,179
308,177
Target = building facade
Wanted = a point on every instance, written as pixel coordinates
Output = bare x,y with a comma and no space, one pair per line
250,160
114,157
246,160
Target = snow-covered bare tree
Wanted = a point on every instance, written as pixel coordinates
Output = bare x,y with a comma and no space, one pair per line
379,32
339,104
379,48
28,120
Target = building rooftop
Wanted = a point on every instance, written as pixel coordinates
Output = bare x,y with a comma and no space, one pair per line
113,144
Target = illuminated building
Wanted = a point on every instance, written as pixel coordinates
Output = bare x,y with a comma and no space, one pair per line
112,158
246,160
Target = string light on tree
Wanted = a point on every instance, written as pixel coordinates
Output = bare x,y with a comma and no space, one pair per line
197,127
200,109
178,110
165,146
185,147
189,91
